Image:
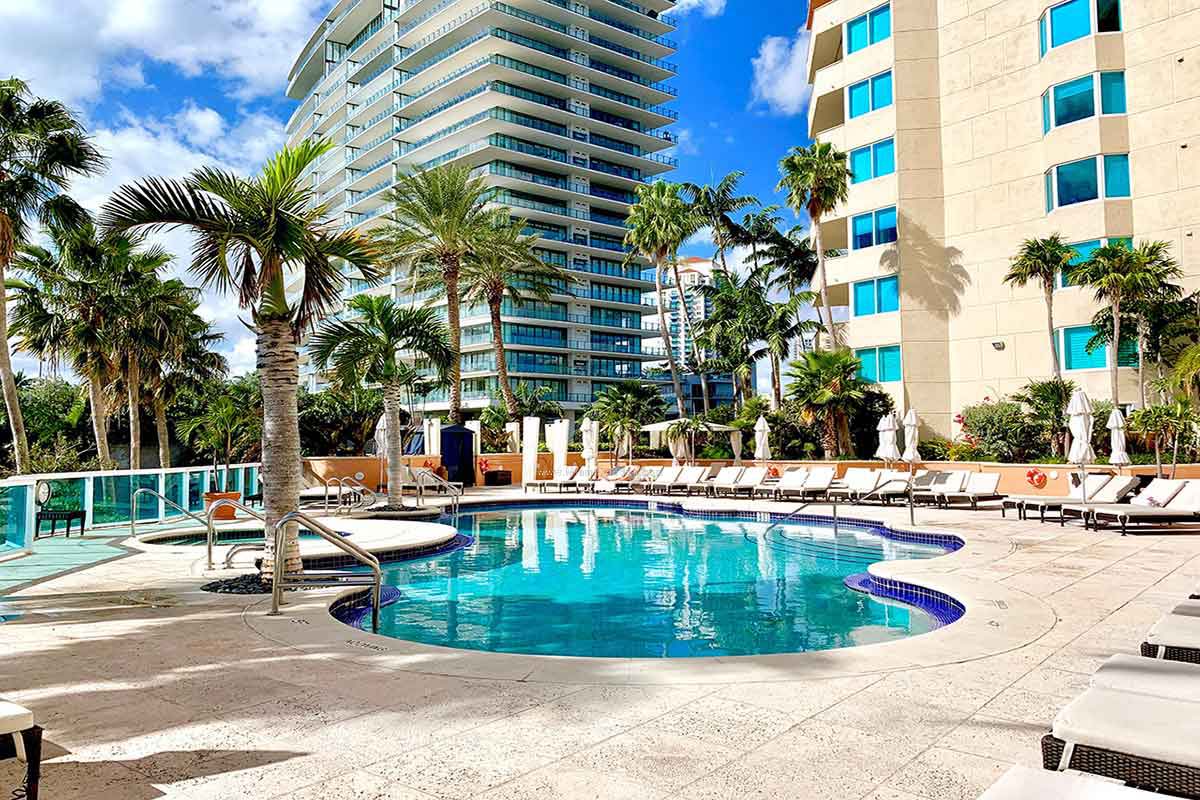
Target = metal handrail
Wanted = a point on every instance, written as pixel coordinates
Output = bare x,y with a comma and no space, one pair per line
830,501
363,497
167,500
907,482
279,577
455,492
222,503
328,482
238,548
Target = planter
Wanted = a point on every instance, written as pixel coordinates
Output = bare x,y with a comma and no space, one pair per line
497,477
224,512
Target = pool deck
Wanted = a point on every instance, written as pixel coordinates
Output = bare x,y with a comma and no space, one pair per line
150,688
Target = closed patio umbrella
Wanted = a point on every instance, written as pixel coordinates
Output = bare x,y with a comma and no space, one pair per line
1116,431
735,441
557,434
591,442
888,450
912,437
762,441
678,448
1079,413
529,449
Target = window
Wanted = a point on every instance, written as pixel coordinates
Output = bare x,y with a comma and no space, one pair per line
879,364
877,296
1084,250
873,161
1075,350
868,29
1080,181
1073,20
870,95
1078,99
877,227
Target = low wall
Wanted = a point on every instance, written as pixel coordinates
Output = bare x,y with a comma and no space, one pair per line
322,469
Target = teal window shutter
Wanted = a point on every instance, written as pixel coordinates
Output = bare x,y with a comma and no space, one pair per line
1049,191
1112,92
881,91
860,99
881,24
1116,176
884,156
889,364
857,34
864,298
1074,100
1070,21
889,294
860,165
869,368
1127,353
1042,36
1075,349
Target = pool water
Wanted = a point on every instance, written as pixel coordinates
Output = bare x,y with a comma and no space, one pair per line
617,582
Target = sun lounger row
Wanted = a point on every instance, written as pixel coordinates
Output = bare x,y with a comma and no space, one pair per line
565,478
1098,501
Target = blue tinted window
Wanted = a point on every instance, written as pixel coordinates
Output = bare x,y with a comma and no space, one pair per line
857,34
869,369
885,225
884,155
888,294
1074,100
864,298
889,364
881,91
860,99
1049,191
862,234
1070,21
1112,92
1046,113
1116,176
1077,182
1083,251
1123,241
860,165
1042,35
881,24
1076,355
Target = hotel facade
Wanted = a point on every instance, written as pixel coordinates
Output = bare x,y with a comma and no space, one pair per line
559,105
971,126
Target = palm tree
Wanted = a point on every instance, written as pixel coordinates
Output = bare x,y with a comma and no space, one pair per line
248,231
367,348
1162,290
219,430
781,325
1047,401
1117,273
506,264
792,264
42,148
440,217
1042,261
623,409
817,180
715,206
735,320
827,389
659,223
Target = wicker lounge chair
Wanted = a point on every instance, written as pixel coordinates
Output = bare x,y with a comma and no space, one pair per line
980,486
1094,482
724,479
750,479
1024,783
792,480
1176,637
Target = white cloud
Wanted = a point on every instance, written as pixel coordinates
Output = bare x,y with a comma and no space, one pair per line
687,145
71,51
780,79
708,8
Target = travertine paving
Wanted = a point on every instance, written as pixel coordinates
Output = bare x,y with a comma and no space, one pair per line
149,688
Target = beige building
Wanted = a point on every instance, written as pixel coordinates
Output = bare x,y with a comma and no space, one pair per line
972,125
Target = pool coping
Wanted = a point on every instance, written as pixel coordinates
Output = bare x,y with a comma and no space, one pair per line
998,619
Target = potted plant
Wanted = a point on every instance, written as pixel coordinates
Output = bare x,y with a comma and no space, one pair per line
215,432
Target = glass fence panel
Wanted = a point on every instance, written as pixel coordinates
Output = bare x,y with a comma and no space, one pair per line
14,505
66,494
110,499
196,490
147,504
175,487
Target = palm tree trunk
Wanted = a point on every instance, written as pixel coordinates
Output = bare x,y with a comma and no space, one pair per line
686,322
776,384
279,372
1142,361
99,419
1055,361
392,394
1116,349
450,272
12,401
162,432
826,311
506,390
1175,453
666,337
1158,473
133,384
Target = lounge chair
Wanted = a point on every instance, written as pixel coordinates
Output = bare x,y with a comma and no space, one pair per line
561,475
1129,673
610,481
1024,783
644,479
687,477
668,476
857,482
704,484
1111,493
1176,637
1157,494
584,479
943,483
790,481
820,479
1183,507
1148,740
1093,482
750,479
980,486
20,737
725,478
892,483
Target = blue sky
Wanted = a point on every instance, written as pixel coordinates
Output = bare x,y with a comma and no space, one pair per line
168,85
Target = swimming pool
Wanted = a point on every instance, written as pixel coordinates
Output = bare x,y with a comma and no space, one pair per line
626,581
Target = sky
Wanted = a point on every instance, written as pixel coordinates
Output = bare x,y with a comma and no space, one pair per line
165,86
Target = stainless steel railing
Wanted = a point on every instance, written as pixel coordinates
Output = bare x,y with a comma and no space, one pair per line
454,491
360,495
133,510
211,535
802,507
908,491
281,579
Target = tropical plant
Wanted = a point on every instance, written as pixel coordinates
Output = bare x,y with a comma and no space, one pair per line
659,223
1170,424
1000,429
248,233
340,421
734,324
816,179
826,389
440,218
534,400
506,264
624,408
217,431
366,347
1042,261
1047,401
714,205
43,146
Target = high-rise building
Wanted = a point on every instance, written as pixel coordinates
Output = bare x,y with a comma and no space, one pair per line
971,127
559,105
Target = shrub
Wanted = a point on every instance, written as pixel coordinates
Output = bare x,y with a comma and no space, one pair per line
1000,430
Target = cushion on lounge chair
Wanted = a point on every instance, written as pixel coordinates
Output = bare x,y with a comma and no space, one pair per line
1188,608
1186,499
727,476
667,476
14,718
1115,490
860,480
982,484
690,475
793,480
1160,492
1150,676
1165,729
1176,630
1023,783
819,478
752,477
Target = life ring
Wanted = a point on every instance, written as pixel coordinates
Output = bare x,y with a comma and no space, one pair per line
1036,478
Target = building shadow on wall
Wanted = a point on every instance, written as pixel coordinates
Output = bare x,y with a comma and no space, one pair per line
930,273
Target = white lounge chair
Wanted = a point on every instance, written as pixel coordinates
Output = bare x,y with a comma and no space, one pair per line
943,482
1129,673
1093,482
584,479
791,481
750,479
644,478
664,479
1183,507
980,486
1023,783
892,483
561,475
1157,494
724,480
1111,493
1176,636
702,486
687,477
857,481
608,484
17,725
